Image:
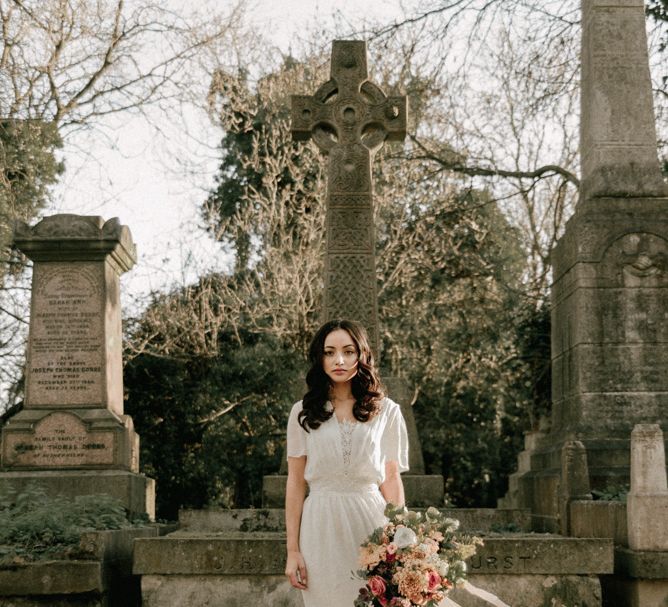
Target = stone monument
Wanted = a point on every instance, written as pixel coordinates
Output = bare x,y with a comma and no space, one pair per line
72,436
350,118
610,291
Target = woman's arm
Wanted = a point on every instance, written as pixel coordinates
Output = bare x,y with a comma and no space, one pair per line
295,491
393,487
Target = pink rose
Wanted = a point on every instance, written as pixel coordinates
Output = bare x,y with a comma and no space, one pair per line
377,585
391,548
433,581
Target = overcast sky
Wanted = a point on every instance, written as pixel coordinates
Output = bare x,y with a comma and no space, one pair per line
123,170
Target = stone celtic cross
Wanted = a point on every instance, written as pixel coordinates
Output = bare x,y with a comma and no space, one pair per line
350,118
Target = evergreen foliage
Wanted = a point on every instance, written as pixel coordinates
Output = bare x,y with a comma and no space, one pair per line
28,166
35,526
212,426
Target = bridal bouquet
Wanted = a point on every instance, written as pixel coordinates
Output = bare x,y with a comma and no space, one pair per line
414,560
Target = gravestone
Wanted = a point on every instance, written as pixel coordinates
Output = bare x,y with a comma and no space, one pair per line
647,502
72,436
350,118
610,291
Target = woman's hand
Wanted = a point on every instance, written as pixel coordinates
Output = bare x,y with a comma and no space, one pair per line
295,569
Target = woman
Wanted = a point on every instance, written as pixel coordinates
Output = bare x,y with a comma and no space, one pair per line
349,443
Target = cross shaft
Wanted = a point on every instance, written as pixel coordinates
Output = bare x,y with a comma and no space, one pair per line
350,118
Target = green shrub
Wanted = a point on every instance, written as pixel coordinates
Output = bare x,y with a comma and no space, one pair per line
35,526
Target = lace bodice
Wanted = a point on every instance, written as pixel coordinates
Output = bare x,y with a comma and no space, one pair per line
346,429
349,452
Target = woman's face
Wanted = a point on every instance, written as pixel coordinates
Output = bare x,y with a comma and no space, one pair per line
340,356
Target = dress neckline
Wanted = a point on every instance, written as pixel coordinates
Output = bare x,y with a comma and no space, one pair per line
330,407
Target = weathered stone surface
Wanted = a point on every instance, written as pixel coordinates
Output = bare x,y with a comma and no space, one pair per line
349,118
52,577
574,480
211,554
275,591
87,600
535,590
239,553
543,555
629,592
135,491
644,564
599,518
218,591
648,498
273,519
40,439
617,130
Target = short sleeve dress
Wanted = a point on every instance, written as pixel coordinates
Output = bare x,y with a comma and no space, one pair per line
345,465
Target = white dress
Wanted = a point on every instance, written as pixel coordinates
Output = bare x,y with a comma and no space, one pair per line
345,464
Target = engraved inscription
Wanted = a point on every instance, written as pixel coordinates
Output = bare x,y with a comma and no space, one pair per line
65,362
501,563
59,440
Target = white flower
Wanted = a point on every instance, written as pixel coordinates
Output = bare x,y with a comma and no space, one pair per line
433,512
404,537
443,569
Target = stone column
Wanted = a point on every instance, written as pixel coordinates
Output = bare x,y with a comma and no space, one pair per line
647,502
617,131
72,435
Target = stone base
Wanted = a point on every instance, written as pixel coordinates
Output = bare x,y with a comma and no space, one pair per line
69,438
421,490
135,491
620,592
104,580
648,521
235,569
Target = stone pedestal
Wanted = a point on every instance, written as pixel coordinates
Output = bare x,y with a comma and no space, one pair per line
610,291
647,503
609,346
72,425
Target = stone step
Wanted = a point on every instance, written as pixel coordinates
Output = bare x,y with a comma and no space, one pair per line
479,520
241,568
421,490
263,553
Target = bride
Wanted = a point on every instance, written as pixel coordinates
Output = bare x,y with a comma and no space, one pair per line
348,442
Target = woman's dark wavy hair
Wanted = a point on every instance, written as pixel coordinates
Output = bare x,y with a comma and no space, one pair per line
366,386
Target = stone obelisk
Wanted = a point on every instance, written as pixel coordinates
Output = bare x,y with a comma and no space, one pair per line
610,291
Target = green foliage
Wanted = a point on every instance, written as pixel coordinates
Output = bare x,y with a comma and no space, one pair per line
28,166
211,427
611,493
34,526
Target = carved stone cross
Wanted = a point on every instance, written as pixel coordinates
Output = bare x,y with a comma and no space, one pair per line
349,119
